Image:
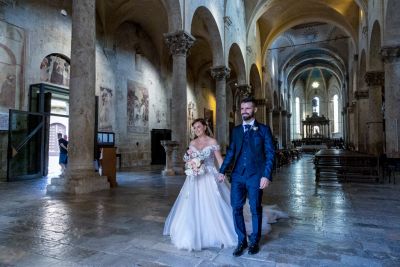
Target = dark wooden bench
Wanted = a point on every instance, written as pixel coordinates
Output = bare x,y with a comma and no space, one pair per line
344,165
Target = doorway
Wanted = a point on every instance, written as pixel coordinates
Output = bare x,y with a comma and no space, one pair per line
32,139
157,150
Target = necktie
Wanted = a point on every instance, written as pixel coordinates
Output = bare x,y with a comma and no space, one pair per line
247,127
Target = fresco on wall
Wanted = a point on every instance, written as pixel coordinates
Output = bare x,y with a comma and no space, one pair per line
7,89
12,42
209,117
55,69
105,109
137,107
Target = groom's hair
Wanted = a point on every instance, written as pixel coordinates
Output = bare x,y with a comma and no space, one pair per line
249,99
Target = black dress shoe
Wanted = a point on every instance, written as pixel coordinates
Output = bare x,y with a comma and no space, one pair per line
239,249
254,249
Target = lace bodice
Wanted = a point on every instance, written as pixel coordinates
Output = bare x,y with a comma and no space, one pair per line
207,153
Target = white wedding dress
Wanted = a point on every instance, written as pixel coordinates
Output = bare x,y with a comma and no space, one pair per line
201,216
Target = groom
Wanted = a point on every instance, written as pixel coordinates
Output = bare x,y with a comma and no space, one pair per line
252,153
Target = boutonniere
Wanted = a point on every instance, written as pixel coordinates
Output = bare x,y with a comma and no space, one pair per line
255,128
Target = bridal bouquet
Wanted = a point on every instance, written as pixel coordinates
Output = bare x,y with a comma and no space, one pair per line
194,163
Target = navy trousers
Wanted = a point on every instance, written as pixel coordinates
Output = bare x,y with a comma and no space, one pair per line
241,187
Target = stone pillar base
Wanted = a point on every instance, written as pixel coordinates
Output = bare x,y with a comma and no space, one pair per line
78,183
168,172
179,170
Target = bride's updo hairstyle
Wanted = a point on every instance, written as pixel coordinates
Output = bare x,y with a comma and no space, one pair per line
204,122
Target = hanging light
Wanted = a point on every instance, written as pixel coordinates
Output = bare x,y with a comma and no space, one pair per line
315,84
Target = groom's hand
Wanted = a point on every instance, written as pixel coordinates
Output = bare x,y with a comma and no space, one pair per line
264,183
221,177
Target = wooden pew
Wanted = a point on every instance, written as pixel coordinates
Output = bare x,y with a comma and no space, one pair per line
346,166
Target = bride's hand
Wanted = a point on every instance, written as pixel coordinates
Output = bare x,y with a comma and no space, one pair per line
221,177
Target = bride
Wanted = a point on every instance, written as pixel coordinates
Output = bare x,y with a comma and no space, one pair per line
201,216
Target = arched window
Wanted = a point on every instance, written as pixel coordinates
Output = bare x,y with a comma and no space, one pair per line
315,105
335,114
297,114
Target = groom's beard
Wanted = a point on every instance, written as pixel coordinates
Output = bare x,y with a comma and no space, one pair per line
247,116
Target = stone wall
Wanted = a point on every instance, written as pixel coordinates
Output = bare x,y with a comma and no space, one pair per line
31,30
132,95
36,29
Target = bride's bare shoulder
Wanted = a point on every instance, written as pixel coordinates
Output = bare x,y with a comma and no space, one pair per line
212,141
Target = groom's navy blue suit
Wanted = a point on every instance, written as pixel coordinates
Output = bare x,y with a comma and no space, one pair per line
252,153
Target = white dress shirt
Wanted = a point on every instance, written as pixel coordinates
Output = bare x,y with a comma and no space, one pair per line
248,123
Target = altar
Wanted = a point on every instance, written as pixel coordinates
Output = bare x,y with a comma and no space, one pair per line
316,127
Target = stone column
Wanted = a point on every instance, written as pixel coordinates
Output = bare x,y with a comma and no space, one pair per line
362,118
270,122
261,110
179,44
280,129
284,128
80,176
375,81
244,90
391,56
220,74
288,130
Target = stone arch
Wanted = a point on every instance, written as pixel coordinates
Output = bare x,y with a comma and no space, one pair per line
375,60
204,26
9,55
174,14
168,19
272,36
321,12
392,23
255,82
236,61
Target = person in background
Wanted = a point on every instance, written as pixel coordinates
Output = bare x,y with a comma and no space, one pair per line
63,145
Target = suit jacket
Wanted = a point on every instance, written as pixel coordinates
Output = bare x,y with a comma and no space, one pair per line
262,149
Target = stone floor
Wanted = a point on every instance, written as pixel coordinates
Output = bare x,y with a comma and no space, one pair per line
330,224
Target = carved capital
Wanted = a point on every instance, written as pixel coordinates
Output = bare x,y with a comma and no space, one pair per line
179,42
220,72
244,89
361,94
261,102
375,78
390,53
